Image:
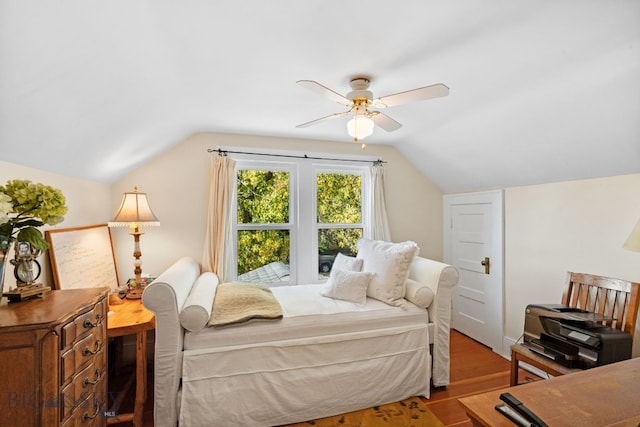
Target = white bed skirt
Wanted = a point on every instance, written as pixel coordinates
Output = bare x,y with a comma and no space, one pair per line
289,381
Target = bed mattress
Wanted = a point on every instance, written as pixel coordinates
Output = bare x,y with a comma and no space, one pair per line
306,313
275,372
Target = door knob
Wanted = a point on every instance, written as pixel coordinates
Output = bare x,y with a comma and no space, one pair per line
486,262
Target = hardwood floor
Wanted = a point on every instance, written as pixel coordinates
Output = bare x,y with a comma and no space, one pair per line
474,369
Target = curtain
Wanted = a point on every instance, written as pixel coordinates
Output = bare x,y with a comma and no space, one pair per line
218,242
379,222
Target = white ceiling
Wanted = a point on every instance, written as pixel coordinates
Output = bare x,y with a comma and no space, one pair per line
541,90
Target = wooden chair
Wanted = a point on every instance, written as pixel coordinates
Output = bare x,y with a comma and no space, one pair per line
612,298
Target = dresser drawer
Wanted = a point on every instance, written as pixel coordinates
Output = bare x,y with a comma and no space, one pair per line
68,335
92,320
83,324
86,385
90,411
83,351
86,349
67,366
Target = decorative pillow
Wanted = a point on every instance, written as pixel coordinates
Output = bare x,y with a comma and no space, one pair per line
346,263
390,262
197,308
348,285
419,293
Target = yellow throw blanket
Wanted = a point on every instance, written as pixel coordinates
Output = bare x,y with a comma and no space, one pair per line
237,302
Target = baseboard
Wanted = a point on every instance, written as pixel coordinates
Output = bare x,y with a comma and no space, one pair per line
506,345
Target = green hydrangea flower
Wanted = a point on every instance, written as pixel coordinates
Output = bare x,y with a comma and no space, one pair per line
24,206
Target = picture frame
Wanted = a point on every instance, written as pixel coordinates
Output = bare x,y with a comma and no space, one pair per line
24,249
82,257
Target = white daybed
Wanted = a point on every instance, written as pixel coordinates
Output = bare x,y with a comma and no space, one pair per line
325,357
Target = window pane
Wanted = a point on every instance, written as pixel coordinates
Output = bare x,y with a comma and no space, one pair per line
263,256
339,198
263,197
334,240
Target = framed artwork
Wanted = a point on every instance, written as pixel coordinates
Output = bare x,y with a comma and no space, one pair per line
82,257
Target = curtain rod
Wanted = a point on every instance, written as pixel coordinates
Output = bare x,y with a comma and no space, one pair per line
225,152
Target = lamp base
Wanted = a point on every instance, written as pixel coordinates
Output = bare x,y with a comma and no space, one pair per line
22,293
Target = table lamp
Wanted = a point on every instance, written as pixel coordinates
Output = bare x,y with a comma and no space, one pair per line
135,212
633,241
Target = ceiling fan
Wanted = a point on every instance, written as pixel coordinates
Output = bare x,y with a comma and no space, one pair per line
361,98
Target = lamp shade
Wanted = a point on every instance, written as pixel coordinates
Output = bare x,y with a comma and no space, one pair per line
360,127
134,211
633,241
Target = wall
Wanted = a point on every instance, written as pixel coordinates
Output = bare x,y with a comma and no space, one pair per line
177,187
88,202
549,229
567,226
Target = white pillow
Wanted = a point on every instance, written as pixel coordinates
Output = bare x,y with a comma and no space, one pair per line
348,285
419,293
197,308
346,263
390,262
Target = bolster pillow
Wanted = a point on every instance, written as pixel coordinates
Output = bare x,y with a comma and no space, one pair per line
418,293
197,308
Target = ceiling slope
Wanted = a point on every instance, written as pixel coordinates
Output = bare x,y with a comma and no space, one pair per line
541,91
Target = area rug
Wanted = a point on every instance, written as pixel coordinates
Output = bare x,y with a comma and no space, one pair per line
410,412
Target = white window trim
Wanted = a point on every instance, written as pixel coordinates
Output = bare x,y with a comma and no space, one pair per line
365,185
266,164
303,226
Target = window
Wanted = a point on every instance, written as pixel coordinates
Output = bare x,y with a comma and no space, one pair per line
263,226
339,215
294,217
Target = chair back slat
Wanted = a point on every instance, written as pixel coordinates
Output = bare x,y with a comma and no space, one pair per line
602,304
615,299
618,307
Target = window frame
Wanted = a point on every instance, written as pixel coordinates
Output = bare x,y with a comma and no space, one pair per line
303,225
266,165
365,209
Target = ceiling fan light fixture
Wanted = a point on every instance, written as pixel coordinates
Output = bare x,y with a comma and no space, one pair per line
359,127
361,98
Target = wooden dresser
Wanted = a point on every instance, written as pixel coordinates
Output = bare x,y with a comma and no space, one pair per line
53,359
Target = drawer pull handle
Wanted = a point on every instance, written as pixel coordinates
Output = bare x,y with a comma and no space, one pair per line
87,351
86,416
87,382
89,324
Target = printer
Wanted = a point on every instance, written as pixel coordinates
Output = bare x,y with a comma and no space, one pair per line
573,337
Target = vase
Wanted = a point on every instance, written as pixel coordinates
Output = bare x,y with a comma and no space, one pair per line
5,246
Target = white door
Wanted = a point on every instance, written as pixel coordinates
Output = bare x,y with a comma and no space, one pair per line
473,236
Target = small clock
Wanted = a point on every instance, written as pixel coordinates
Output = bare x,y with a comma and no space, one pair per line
27,271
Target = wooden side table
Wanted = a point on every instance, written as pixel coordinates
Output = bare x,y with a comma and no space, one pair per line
131,318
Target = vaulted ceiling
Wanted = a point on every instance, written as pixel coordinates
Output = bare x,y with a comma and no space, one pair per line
540,91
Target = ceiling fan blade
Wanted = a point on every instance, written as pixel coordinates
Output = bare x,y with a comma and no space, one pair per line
419,94
322,119
323,90
384,121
